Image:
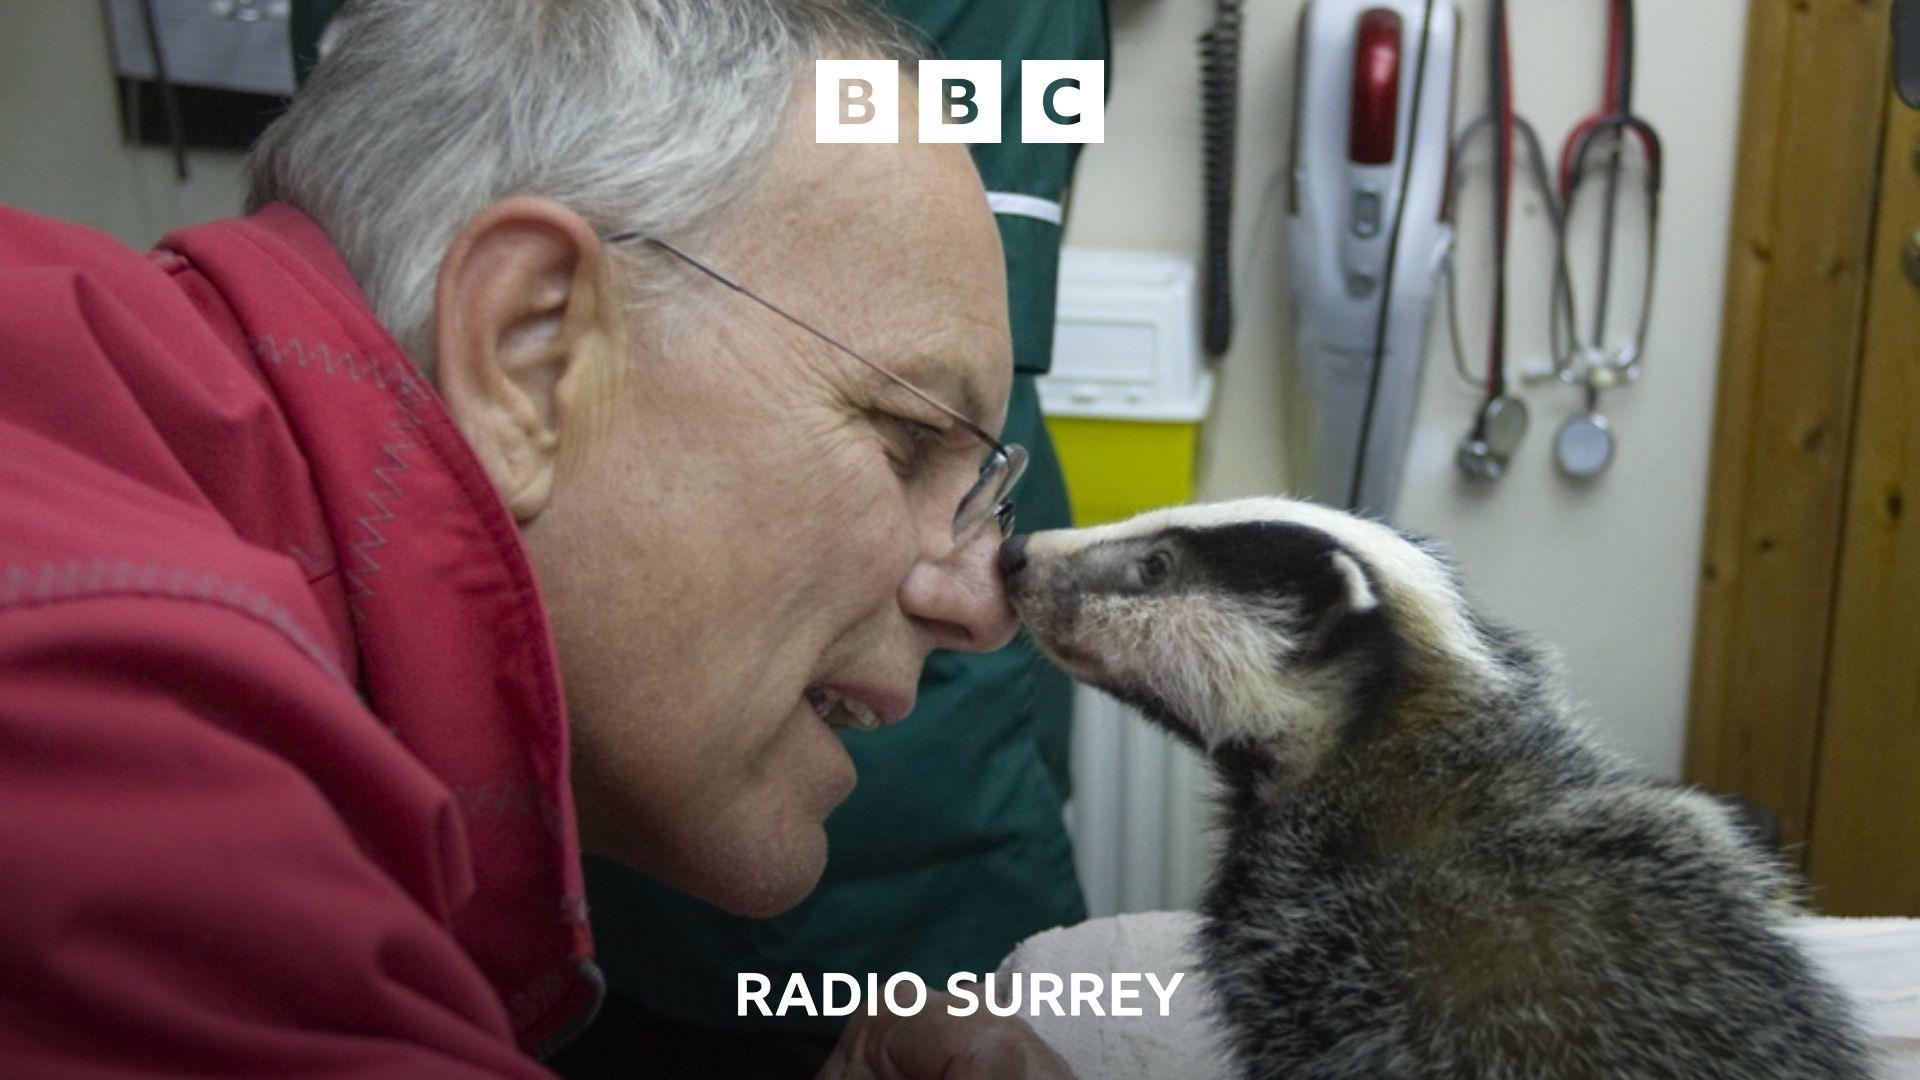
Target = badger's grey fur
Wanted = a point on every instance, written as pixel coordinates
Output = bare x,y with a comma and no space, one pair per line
1430,870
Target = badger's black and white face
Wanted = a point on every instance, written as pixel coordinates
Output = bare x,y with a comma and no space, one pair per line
1262,623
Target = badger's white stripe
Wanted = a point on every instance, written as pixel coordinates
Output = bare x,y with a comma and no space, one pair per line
1404,576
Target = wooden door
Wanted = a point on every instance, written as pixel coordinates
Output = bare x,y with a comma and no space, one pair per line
1806,690
1864,851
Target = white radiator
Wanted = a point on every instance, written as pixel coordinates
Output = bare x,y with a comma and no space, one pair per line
1141,804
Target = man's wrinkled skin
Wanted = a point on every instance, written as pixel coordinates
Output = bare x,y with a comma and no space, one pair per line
723,511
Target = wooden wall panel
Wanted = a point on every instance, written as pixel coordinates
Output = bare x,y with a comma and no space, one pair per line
1812,112
1864,858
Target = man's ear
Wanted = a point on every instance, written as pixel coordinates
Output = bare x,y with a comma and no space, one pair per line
523,323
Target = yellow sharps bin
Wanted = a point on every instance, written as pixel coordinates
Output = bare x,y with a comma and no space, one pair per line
1128,391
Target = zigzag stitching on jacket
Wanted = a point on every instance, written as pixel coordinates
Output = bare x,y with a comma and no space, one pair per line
52,583
410,392
407,390
401,376
381,496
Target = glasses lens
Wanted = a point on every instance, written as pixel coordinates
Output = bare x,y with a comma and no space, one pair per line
987,499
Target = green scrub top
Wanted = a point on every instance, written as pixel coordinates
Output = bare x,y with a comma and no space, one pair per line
953,847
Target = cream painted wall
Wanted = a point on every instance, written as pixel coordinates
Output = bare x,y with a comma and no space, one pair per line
60,147
1605,572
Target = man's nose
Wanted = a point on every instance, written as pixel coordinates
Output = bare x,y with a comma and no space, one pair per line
961,599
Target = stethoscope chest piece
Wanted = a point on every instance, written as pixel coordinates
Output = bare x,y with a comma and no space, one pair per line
1504,420
1583,447
1497,435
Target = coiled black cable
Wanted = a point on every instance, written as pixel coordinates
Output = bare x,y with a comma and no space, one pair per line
1219,117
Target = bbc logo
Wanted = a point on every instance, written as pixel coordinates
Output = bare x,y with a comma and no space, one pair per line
858,101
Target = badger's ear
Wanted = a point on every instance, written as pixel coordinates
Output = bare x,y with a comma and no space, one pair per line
1344,600
1359,596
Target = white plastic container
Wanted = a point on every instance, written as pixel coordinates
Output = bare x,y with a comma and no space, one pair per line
1129,386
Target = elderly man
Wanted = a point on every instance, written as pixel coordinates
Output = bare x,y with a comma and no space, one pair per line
557,355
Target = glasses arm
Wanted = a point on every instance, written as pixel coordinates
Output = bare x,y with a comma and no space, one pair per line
978,431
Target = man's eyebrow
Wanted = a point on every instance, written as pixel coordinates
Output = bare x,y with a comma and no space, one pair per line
941,377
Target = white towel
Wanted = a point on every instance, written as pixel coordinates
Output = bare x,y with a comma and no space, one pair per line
1181,1046
1876,961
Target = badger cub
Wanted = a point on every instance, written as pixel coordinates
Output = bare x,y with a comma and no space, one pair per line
1430,871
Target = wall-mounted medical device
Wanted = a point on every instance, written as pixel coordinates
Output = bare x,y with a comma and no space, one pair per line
238,45
200,73
1367,237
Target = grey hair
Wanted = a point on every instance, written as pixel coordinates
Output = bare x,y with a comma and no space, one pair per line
644,115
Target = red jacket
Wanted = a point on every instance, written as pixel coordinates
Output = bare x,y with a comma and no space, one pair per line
283,752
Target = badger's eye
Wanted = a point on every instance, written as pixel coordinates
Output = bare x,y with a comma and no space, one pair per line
1155,568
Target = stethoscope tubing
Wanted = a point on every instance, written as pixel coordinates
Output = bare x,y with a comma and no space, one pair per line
1501,118
1575,361
1536,158
1591,362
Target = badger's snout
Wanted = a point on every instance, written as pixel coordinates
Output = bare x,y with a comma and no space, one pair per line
1028,584
1044,587
1013,557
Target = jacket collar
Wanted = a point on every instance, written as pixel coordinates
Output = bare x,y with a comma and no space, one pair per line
453,648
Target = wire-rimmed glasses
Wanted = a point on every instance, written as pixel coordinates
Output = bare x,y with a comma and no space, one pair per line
988,498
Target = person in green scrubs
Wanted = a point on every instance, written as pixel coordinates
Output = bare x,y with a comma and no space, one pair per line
953,848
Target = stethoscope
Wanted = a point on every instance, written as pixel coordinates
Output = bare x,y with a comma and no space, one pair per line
1500,424
1584,443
